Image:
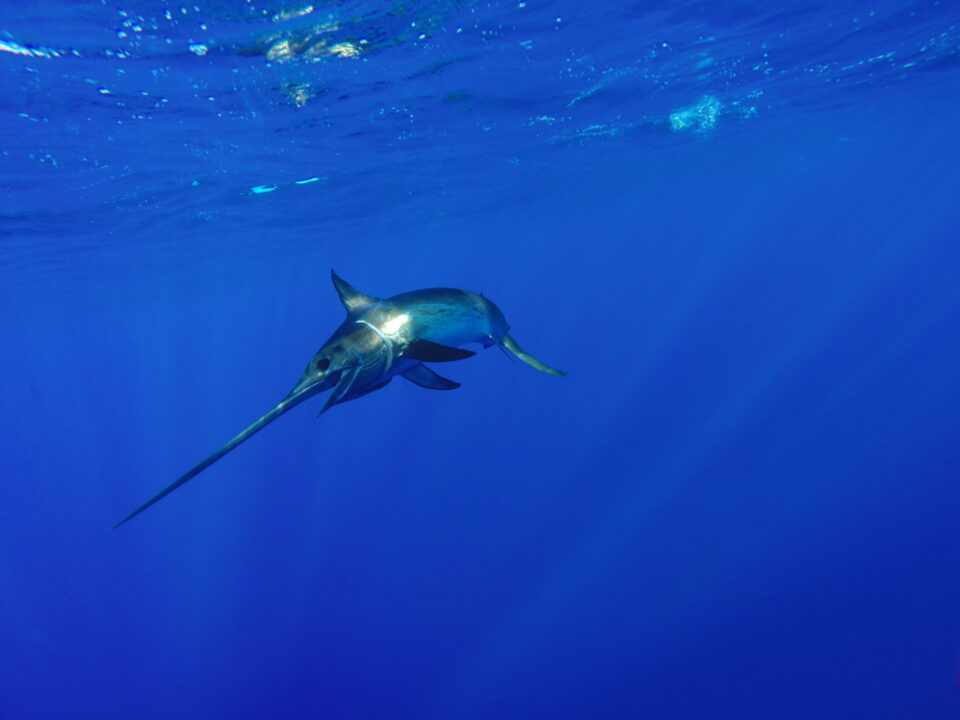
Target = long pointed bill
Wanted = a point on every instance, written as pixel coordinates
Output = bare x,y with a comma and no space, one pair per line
304,389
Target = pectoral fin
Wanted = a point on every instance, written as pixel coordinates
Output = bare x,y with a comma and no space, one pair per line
347,378
426,351
426,378
378,386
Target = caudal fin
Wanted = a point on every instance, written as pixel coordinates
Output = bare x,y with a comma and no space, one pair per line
510,344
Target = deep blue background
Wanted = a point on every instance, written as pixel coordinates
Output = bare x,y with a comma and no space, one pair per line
741,502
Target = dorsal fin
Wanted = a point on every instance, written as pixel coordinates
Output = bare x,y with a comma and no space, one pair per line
352,299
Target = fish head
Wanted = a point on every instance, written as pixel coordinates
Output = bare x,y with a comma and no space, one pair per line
323,371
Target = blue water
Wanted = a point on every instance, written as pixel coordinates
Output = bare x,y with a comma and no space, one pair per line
734,224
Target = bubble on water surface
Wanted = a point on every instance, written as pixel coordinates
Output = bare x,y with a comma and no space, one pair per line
698,118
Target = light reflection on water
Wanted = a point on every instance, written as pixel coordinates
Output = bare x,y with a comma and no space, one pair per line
145,122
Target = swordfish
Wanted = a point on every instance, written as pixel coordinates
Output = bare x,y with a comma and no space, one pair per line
380,339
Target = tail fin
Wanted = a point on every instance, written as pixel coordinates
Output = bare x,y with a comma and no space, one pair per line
510,344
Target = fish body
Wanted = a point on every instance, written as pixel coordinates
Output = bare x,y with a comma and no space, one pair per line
383,338
380,339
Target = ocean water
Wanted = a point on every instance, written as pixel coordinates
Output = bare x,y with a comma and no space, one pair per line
734,224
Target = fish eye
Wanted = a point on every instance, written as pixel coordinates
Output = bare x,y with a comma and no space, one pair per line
323,364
